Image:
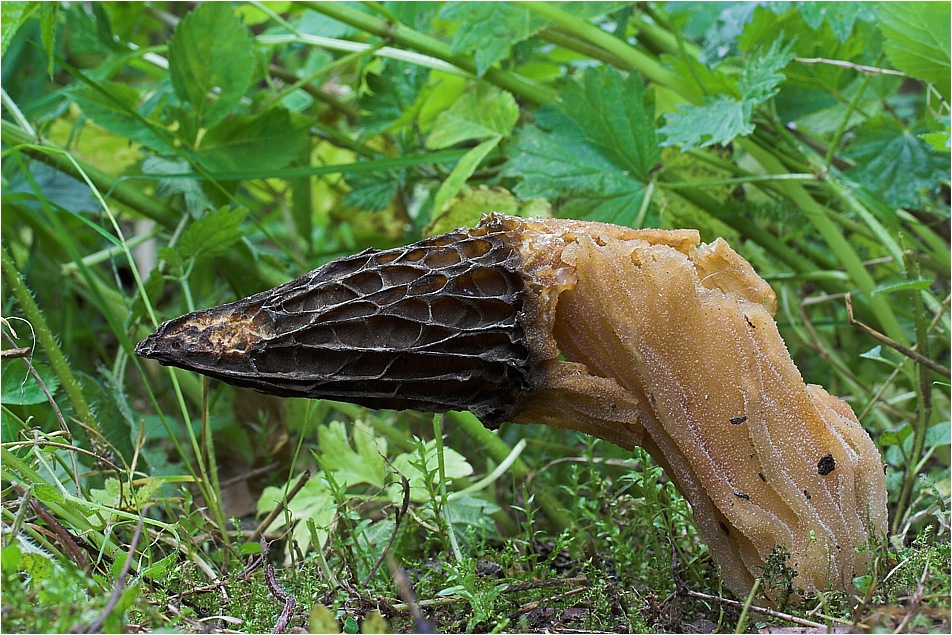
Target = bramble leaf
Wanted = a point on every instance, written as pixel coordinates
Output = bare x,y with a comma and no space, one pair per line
213,233
895,162
396,95
265,142
489,30
14,15
113,110
724,117
373,191
593,152
211,51
918,40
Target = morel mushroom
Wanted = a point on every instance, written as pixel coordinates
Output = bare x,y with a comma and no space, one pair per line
637,337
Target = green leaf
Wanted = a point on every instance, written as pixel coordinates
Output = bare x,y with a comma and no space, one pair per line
47,493
112,107
918,40
724,117
593,152
718,121
196,201
468,512
13,15
841,16
481,113
20,387
267,141
408,464
211,50
894,162
49,12
314,502
461,173
213,234
465,209
940,140
365,462
322,620
489,30
396,94
938,434
373,191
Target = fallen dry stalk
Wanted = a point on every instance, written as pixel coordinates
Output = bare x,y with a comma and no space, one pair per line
639,337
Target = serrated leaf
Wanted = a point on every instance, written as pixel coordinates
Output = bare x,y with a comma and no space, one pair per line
395,98
718,121
20,388
895,162
112,107
49,12
372,191
489,30
13,15
213,233
481,113
593,152
761,76
211,50
918,40
364,462
265,142
841,16
725,117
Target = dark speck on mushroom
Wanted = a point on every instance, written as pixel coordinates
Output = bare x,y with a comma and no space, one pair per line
826,465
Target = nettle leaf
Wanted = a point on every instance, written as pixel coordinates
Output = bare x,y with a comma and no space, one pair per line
13,15
396,96
20,388
373,191
265,142
489,30
593,152
481,113
841,16
715,24
363,462
113,110
723,118
895,161
213,233
211,51
918,40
